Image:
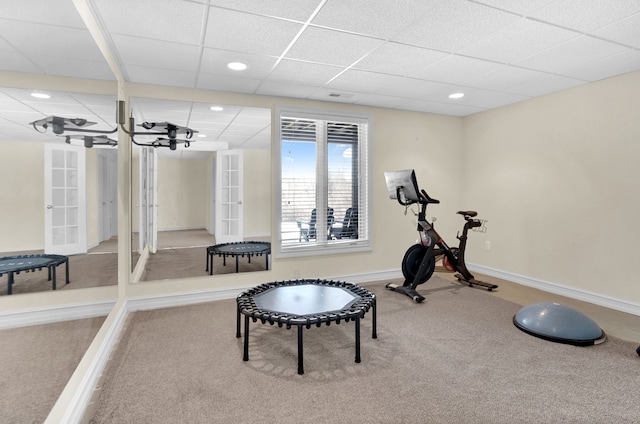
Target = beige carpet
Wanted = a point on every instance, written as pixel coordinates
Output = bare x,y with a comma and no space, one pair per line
36,364
456,358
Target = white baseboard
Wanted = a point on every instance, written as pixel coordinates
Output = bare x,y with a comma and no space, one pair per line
37,316
368,277
583,295
180,299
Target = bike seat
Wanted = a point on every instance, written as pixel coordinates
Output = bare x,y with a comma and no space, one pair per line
468,213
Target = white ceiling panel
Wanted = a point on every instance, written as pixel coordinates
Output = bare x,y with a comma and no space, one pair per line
284,89
156,53
177,21
158,76
248,33
331,47
399,59
455,24
519,40
362,81
455,69
586,15
381,18
624,31
215,61
61,12
578,51
521,7
299,10
298,72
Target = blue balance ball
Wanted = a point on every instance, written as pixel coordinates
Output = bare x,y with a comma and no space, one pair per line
558,323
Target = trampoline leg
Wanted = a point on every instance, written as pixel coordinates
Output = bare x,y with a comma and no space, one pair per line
10,283
267,256
300,355
358,340
207,268
236,263
53,277
66,270
246,338
238,324
374,332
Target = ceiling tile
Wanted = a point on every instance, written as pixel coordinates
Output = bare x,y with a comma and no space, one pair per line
74,67
422,106
410,88
399,59
59,41
299,72
169,77
625,31
524,7
244,32
299,10
382,18
586,15
331,47
62,13
156,53
484,99
378,100
519,40
455,69
621,63
455,24
215,61
169,20
329,95
283,89
227,83
362,81
543,84
561,58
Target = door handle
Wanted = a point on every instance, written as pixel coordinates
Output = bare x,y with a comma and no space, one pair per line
49,206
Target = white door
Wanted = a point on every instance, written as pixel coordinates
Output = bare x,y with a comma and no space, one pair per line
107,196
229,207
148,234
65,200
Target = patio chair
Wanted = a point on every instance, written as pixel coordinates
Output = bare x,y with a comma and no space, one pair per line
348,228
308,229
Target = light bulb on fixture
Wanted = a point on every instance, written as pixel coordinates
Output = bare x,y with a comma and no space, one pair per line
40,95
456,95
217,108
237,66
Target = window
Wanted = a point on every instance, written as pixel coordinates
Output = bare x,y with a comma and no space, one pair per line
323,181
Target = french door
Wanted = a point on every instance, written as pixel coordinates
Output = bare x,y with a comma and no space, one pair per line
65,200
229,200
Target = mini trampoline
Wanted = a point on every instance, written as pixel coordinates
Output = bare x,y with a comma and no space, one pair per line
304,303
25,263
558,323
237,250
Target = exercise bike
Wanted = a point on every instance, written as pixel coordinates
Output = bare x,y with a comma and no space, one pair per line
419,261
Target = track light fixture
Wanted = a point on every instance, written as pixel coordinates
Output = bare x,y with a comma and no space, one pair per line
166,133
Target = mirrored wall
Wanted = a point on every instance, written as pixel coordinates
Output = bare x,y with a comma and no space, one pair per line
184,199
51,183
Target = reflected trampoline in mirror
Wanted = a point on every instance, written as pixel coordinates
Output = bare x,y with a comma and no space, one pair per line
59,197
216,190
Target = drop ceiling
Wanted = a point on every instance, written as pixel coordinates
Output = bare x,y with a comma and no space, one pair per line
399,54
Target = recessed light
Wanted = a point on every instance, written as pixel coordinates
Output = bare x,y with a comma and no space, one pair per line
216,108
202,135
456,95
237,66
40,95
